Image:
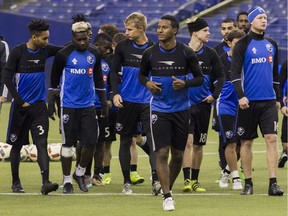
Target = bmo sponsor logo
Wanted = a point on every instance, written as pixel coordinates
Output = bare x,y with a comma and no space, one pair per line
77,71
258,60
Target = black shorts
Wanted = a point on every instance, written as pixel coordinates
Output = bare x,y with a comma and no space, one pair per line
215,123
23,119
104,129
262,113
227,126
129,117
170,129
79,124
199,122
284,130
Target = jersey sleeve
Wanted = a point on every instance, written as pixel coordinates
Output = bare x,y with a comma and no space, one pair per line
116,67
57,70
145,66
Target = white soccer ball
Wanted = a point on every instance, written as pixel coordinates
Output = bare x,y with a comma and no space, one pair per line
24,153
54,151
5,151
32,152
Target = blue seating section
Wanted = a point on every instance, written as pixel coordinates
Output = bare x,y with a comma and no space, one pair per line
114,11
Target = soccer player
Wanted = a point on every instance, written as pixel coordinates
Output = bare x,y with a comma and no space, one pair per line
242,21
133,101
201,98
227,25
168,62
24,77
76,71
226,106
255,78
284,111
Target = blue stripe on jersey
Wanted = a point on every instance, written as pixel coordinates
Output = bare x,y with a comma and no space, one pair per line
77,83
258,63
198,93
169,100
24,81
131,89
227,102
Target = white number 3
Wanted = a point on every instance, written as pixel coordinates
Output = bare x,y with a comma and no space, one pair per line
40,129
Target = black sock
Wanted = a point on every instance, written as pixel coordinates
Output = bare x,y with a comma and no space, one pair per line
226,171
15,177
167,195
194,174
45,176
154,176
249,181
106,169
186,172
126,175
133,167
272,181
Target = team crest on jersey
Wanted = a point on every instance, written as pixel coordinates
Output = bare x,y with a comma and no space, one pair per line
104,67
13,137
229,134
154,118
269,47
118,126
240,131
90,59
105,78
74,61
65,118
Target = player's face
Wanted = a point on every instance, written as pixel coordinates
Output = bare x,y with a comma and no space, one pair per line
165,32
203,35
105,48
226,28
243,22
132,31
81,40
259,24
41,40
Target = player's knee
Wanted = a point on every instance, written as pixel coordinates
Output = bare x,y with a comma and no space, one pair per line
67,152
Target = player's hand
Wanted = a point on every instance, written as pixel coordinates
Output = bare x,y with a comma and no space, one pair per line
25,104
285,100
3,99
117,100
284,110
109,104
278,105
154,87
244,103
208,99
177,84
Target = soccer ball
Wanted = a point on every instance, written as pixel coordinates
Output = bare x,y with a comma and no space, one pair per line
5,151
32,152
54,151
24,153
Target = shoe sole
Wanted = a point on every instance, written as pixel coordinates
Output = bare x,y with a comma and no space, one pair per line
140,181
282,162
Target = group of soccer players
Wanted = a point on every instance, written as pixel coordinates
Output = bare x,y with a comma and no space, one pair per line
136,87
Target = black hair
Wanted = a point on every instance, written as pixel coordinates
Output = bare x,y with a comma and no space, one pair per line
241,13
79,17
173,20
229,20
102,37
38,25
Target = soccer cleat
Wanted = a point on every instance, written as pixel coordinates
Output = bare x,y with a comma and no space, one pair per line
49,187
81,182
168,204
17,188
282,160
127,188
223,183
136,178
88,181
156,188
237,184
107,178
68,188
187,186
248,190
197,187
97,180
274,190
